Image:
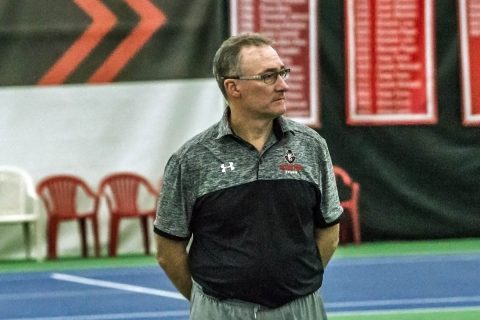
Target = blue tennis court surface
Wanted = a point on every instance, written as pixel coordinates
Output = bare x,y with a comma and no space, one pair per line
351,285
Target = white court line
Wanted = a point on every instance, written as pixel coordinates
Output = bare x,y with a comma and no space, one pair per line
170,294
115,316
184,313
51,295
406,259
419,301
334,314
346,304
116,285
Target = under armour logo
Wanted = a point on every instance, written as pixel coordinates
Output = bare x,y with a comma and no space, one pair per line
224,167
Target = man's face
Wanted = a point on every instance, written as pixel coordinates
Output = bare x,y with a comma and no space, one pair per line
258,99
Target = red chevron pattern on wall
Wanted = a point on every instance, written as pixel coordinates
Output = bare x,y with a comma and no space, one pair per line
103,21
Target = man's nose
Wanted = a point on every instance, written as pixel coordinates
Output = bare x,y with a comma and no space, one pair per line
281,84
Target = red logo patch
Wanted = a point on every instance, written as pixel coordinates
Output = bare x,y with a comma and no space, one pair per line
290,167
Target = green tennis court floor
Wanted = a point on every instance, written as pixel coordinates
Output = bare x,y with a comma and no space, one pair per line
366,250
415,315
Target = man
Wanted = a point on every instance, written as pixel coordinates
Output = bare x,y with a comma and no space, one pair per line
257,194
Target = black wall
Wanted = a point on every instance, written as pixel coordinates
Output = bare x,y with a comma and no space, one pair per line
417,182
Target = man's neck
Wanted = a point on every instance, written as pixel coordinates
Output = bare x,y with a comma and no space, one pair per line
254,131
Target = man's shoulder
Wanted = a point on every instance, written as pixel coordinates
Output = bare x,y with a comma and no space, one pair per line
197,142
303,132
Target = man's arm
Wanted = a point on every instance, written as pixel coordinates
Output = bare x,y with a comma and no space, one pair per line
327,241
172,256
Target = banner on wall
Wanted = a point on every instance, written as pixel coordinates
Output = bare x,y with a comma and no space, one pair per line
469,29
91,87
104,41
292,25
390,60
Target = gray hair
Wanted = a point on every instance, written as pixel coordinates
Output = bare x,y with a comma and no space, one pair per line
227,59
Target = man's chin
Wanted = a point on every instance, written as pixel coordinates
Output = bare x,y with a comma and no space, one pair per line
281,108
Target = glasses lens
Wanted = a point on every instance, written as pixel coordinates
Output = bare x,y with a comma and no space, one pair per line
270,77
284,73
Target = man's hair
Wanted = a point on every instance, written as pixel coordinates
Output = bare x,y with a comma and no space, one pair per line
227,59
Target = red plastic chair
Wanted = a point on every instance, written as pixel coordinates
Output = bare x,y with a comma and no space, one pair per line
61,194
350,224
123,193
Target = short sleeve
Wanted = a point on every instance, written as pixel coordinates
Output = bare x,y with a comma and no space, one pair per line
330,207
173,210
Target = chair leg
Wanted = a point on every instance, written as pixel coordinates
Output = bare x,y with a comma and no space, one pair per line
52,238
146,238
357,238
114,225
27,240
37,241
83,236
96,238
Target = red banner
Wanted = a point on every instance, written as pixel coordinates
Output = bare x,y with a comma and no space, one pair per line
390,62
293,27
469,27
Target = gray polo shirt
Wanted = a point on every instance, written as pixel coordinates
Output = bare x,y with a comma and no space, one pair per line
252,214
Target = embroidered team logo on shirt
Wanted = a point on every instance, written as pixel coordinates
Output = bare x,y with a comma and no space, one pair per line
290,156
290,166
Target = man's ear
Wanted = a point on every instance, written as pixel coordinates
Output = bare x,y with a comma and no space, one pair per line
231,88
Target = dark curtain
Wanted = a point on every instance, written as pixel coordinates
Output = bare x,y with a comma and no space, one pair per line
417,182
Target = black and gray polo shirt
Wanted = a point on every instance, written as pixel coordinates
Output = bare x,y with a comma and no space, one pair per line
252,214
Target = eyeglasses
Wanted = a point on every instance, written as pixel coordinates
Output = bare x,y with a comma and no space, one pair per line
267,77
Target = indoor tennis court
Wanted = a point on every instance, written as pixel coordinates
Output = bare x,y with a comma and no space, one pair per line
395,280
94,92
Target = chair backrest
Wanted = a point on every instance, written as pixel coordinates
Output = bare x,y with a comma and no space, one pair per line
347,188
60,193
16,188
349,193
122,190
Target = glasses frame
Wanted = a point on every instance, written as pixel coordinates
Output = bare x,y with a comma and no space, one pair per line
283,73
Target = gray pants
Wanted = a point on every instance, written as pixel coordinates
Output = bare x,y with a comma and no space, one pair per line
204,307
